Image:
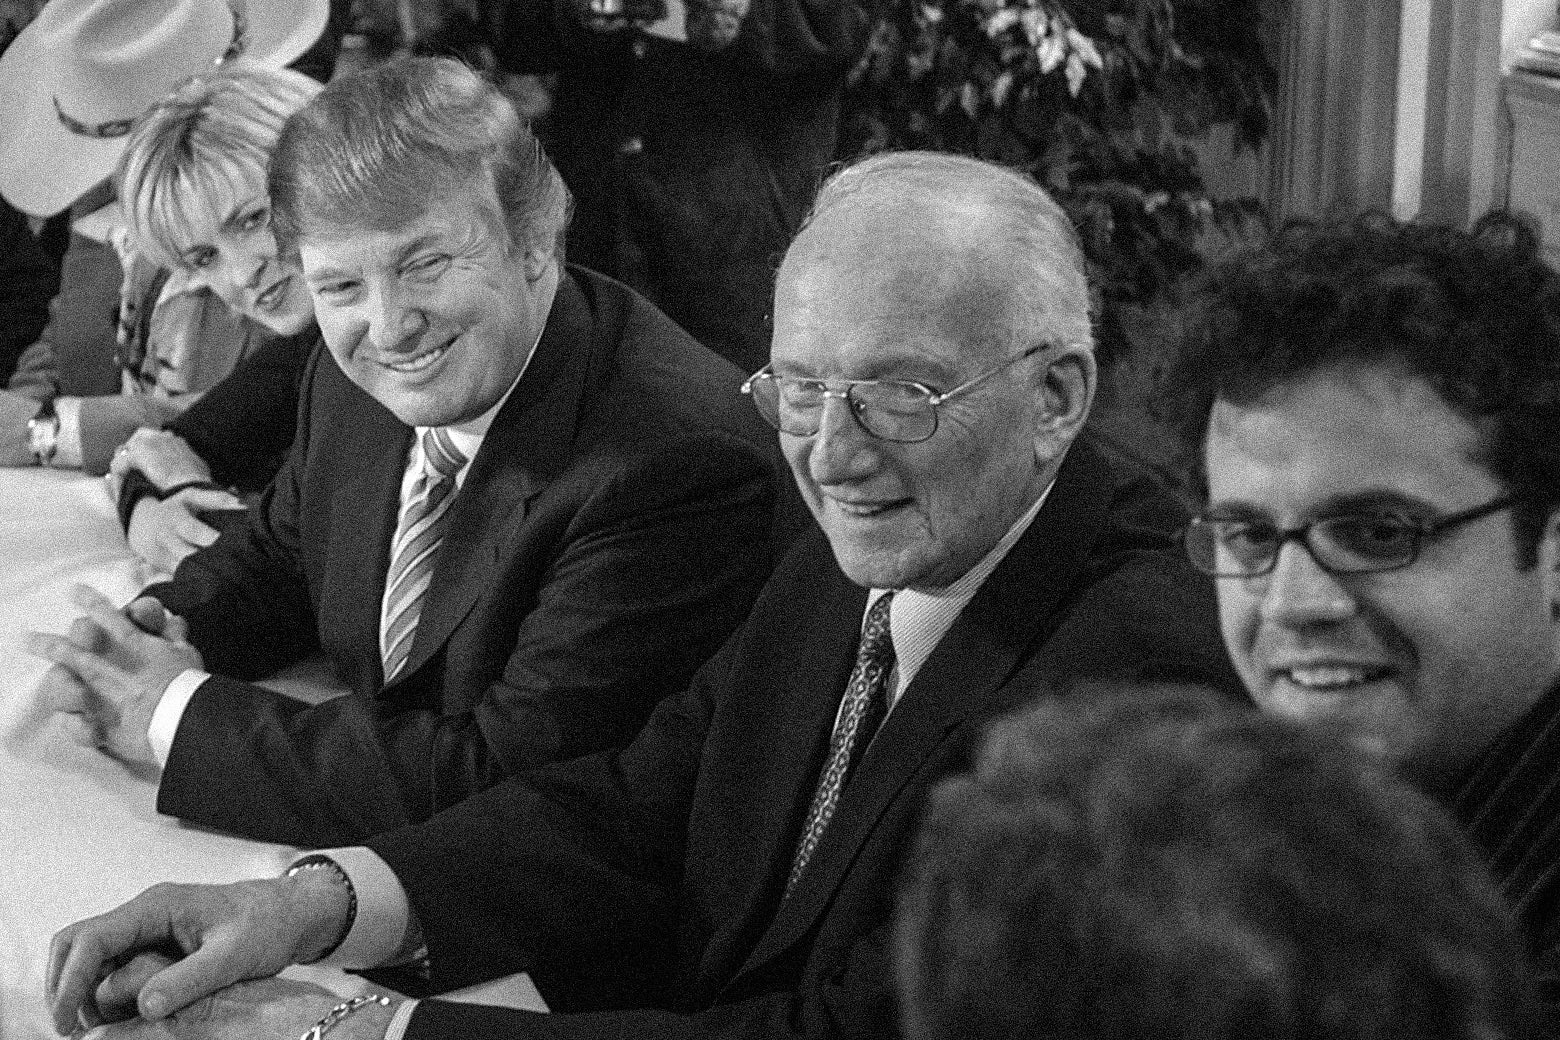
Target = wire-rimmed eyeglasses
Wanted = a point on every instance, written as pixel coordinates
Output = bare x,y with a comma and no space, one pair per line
1359,543
899,410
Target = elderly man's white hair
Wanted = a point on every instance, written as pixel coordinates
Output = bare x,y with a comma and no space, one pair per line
1023,234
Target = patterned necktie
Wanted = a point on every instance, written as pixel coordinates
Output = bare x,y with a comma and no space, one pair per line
415,548
861,712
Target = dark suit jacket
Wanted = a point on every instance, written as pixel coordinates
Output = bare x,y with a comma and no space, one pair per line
243,427
654,875
609,534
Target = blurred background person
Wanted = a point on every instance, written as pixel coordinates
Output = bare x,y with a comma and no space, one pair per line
31,248
1150,863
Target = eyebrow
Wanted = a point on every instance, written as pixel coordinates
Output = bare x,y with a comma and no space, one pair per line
415,245
1368,502
333,272
235,215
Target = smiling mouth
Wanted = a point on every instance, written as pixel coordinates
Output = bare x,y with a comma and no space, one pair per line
272,297
867,509
420,361
1332,678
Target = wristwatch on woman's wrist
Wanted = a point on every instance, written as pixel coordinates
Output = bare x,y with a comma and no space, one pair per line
43,433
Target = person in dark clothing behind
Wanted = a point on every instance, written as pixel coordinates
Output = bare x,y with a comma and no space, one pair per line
29,278
693,134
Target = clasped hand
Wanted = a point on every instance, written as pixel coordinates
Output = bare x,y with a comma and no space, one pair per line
195,961
112,667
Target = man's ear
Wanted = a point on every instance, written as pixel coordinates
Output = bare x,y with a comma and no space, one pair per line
1066,393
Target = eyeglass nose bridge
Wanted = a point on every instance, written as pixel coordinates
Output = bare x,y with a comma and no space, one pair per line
1302,536
853,405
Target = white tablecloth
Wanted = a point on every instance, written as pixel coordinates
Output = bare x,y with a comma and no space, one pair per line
80,834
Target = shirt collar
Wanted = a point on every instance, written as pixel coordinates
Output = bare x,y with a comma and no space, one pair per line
918,619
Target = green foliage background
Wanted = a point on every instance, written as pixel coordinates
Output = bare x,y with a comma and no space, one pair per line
1097,101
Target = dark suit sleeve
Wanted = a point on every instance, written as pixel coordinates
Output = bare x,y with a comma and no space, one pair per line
245,596
243,426
574,863
649,575
857,1004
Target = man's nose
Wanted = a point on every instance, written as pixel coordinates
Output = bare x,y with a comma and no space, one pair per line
394,322
1300,593
842,450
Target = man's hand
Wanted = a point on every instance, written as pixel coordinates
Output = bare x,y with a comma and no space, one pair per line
15,442
713,25
113,667
164,532
173,945
267,1009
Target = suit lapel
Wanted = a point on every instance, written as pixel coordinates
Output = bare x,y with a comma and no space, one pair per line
773,741
529,442
1015,610
366,467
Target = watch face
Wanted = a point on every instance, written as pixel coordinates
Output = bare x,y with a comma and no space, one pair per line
43,434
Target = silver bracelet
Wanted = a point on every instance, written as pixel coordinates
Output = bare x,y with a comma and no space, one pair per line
341,1011
317,861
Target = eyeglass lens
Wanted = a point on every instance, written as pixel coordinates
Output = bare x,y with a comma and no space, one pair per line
893,411
1342,544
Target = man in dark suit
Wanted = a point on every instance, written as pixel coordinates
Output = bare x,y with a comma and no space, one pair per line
731,872
609,529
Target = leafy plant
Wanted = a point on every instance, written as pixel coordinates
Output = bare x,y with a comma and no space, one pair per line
1099,102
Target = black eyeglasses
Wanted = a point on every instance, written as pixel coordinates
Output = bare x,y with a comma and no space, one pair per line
1349,544
898,410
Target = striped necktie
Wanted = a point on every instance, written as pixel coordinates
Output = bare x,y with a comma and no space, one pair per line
861,712
415,548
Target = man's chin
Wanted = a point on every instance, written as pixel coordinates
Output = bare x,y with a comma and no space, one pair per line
1370,715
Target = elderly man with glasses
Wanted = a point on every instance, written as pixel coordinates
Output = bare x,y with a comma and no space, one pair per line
1376,415
731,873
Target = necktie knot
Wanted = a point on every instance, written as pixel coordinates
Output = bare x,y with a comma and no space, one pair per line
877,639
441,454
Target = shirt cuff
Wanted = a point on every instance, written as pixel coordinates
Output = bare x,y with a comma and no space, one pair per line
379,930
400,1020
67,447
170,711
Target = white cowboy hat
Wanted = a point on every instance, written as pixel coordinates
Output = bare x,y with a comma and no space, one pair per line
73,81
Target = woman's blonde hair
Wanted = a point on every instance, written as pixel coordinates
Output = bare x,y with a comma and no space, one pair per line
210,138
